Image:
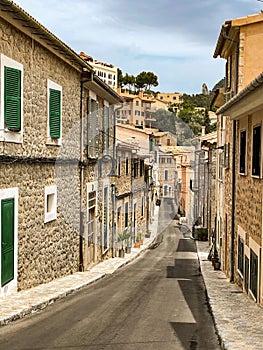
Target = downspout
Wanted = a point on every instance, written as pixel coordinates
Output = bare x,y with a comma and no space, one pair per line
232,250
81,233
113,185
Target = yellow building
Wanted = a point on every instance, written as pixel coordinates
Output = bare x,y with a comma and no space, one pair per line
136,110
170,97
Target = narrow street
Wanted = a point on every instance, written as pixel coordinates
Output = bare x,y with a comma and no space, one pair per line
157,302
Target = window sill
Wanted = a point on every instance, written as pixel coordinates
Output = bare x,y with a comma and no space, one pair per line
240,274
11,136
54,142
256,176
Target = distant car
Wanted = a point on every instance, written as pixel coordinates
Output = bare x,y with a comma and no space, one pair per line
158,202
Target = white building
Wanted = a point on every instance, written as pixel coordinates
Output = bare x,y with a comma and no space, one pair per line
105,71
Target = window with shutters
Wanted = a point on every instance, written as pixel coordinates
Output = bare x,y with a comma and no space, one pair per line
54,133
93,129
105,233
242,151
126,215
11,121
92,195
256,150
12,106
254,274
106,129
240,255
141,167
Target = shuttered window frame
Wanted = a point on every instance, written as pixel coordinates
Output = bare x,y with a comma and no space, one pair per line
106,125
242,152
9,134
256,150
6,194
92,128
105,241
54,110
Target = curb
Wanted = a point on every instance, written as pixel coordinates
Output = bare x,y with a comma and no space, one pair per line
22,312
210,308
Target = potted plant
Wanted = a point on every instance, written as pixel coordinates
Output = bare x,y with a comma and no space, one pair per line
148,234
138,241
127,243
215,260
121,239
202,234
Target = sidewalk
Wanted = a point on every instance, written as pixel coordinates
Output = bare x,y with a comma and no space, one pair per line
28,301
238,320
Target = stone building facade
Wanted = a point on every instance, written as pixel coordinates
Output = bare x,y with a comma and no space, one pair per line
239,223
246,108
50,152
134,200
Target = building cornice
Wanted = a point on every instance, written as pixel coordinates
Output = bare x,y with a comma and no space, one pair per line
246,101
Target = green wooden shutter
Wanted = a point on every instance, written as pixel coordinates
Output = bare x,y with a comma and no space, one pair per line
7,241
105,218
106,128
93,129
12,98
54,113
89,128
256,150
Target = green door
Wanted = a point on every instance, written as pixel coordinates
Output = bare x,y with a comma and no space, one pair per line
7,240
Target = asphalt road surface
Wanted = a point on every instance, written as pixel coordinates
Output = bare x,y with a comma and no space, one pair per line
157,302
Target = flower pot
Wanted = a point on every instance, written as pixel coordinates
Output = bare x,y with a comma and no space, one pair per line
137,245
127,250
121,253
217,265
213,260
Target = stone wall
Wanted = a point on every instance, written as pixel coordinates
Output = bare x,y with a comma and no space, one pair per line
45,250
249,192
39,65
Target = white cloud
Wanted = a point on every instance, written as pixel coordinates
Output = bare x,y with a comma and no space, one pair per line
174,38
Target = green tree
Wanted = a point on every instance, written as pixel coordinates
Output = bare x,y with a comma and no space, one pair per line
119,77
129,80
145,80
152,80
141,80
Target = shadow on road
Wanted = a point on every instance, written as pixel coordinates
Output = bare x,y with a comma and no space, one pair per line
200,334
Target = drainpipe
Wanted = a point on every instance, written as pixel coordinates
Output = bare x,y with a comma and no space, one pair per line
113,185
81,233
232,250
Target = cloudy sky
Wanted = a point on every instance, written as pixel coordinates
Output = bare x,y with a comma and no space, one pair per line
175,39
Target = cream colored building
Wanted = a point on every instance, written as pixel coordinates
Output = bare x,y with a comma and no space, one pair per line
136,110
107,72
